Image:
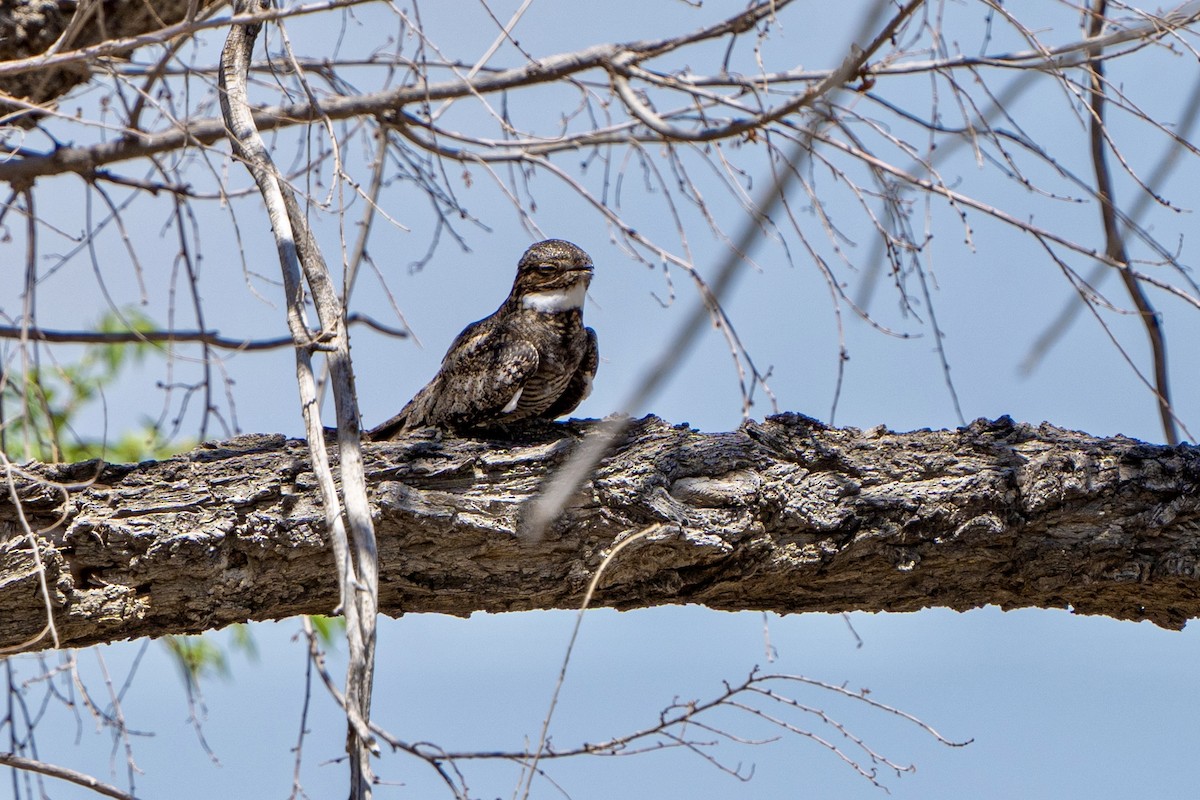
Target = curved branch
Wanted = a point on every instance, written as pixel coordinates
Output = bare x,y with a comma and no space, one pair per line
63,773
849,69
1114,242
355,555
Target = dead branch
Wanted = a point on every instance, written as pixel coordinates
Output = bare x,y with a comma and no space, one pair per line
613,58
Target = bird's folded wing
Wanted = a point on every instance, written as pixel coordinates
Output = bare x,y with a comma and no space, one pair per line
480,378
580,385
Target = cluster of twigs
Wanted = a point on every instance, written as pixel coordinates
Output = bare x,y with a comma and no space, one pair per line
156,121
641,111
61,684
699,727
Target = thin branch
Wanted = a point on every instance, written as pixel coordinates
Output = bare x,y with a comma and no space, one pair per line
63,773
355,555
121,46
26,165
211,338
530,768
1114,242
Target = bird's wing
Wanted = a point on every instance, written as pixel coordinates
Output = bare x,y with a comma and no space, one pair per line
481,377
387,430
580,385
481,374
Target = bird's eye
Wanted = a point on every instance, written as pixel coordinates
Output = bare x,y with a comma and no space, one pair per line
545,269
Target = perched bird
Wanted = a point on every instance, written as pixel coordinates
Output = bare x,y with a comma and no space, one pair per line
531,359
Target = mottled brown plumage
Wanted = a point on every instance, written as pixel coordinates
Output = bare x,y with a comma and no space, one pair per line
532,359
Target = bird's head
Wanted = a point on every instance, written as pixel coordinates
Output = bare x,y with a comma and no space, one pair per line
552,276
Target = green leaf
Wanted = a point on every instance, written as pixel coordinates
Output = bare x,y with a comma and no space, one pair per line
42,403
329,629
197,657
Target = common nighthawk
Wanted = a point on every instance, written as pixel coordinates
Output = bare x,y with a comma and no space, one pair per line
531,359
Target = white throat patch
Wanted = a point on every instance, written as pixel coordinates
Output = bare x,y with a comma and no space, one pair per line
558,300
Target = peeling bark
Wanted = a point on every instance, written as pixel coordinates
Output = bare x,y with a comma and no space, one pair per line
786,515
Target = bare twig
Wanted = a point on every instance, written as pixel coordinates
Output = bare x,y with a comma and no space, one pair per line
63,773
1114,242
529,770
211,338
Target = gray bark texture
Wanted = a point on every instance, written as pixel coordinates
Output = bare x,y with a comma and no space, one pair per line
786,515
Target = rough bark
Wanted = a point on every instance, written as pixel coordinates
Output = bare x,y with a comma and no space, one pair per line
786,515
29,28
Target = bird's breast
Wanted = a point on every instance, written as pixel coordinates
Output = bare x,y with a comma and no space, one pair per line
561,341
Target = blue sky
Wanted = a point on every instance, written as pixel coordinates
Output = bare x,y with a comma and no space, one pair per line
1056,706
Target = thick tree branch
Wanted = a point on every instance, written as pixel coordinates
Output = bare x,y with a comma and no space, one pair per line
785,515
